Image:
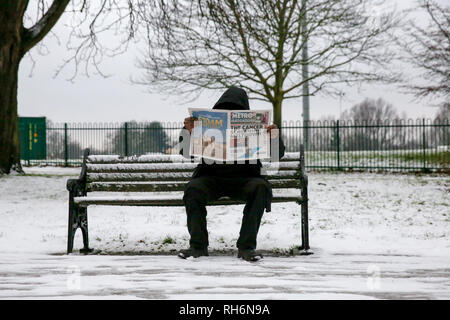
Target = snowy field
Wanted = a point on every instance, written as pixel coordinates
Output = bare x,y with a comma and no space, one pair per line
375,236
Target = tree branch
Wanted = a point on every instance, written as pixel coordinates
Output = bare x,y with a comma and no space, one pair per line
37,32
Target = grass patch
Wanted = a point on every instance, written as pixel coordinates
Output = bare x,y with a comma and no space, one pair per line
169,240
400,159
436,158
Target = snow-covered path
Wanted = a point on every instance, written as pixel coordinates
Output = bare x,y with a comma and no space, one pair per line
374,236
348,276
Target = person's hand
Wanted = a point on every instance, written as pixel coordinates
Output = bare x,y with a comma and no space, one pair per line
189,123
274,133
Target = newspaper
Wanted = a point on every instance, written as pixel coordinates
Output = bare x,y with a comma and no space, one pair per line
230,135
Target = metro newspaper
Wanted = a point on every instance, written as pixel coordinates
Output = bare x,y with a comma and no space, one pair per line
230,135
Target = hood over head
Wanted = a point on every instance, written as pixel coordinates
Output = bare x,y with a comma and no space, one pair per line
233,99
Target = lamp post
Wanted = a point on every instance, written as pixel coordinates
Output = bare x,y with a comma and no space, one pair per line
305,75
341,95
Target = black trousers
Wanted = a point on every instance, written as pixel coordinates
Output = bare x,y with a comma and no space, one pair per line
199,191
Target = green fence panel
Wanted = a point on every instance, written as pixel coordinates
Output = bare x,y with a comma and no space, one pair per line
33,138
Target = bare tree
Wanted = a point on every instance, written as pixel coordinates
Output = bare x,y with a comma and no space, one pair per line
427,48
257,44
441,130
443,113
24,23
56,143
141,138
370,126
371,111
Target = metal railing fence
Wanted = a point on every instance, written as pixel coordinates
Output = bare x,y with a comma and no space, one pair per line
420,144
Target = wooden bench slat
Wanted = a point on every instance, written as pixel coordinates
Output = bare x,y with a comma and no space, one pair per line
159,176
163,158
172,167
83,202
135,186
170,176
166,200
141,167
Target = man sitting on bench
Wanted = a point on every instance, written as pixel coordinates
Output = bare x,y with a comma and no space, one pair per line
237,180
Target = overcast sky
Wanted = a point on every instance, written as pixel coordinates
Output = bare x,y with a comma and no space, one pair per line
115,99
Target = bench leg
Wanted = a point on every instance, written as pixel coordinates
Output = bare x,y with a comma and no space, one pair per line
304,249
83,223
78,219
72,228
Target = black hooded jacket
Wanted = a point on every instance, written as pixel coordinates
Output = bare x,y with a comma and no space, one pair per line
233,99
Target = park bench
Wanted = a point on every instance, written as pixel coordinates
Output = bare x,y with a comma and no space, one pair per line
158,180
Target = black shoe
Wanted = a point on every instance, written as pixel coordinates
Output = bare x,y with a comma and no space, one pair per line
193,252
249,255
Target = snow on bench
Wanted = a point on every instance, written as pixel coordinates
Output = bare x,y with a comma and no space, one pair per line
163,167
148,158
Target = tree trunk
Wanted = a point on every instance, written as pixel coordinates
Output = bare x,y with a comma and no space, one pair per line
277,119
15,41
9,132
11,15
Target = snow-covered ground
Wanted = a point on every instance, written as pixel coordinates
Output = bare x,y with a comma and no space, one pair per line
373,235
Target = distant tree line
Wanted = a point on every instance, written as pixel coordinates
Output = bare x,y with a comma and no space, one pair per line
374,124
135,138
